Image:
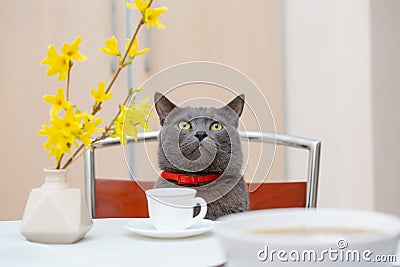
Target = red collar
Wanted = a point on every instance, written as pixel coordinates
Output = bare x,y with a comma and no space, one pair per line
186,179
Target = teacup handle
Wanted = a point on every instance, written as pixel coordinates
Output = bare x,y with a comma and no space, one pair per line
203,209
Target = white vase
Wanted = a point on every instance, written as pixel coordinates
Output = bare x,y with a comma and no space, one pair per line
55,213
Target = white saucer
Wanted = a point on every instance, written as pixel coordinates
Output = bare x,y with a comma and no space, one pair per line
143,226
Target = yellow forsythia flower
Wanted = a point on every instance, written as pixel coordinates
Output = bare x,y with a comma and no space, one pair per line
111,47
151,17
56,143
134,48
69,125
119,125
60,63
139,4
58,102
56,63
71,51
64,132
100,95
61,134
88,129
130,118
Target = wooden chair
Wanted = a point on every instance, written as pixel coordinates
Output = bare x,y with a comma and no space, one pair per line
125,198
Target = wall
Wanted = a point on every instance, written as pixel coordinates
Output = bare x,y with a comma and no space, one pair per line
341,69
385,36
328,95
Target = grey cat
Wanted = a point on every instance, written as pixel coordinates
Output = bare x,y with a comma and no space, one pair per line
204,142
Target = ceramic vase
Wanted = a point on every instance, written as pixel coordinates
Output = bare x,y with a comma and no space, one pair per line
55,213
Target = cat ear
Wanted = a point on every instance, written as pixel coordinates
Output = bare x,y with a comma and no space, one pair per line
163,106
237,104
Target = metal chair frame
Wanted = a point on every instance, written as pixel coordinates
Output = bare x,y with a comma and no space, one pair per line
313,147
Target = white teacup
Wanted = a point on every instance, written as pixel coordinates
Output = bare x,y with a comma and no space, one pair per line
171,209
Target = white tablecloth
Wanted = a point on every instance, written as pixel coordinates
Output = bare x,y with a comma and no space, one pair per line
108,243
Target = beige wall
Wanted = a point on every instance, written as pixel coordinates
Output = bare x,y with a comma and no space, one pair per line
385,38
342,86
328,94
196,30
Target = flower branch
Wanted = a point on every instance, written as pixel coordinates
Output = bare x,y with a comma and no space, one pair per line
70,64
70,129
121,65
104,135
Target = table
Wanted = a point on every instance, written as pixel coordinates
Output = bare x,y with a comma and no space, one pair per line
108,243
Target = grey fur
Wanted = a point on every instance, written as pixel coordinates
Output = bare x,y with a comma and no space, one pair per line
180,151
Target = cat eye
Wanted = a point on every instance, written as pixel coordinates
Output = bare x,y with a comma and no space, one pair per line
216,126
184,125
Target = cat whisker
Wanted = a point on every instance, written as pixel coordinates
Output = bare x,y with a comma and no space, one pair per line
186,144
188,147
227,153
220,148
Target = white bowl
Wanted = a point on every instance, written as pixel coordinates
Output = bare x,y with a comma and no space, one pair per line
375,241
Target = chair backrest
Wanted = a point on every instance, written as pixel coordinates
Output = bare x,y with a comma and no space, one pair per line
124,198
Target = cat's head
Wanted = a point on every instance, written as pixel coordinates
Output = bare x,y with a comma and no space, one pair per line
199,140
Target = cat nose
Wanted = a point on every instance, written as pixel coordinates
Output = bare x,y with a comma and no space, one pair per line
200,135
